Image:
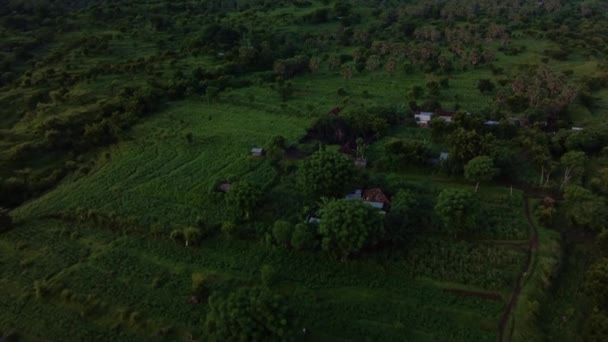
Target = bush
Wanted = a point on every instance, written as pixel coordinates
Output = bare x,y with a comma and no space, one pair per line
268,275
248,315
6,222
282,232
303,237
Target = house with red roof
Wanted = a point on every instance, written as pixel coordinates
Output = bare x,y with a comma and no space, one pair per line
376,198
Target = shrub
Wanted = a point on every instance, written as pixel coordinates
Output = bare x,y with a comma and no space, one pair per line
282,232
303,237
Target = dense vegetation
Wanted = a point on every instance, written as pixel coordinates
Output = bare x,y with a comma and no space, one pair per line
133,208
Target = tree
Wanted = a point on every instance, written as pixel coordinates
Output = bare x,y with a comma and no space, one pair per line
191,235
6,222
544,89
457,209
361,148
596,283
284,88
372,63
282,232
176,235
268,275
243,197
403,216
342,8
229,229
416,92
541,157
440,129
314,64
248,314
211,93
347,72
326,173
585,209
303,237
573,163
485,86
480,169
349,226
467,144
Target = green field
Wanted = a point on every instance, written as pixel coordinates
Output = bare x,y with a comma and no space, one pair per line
97,274
119,120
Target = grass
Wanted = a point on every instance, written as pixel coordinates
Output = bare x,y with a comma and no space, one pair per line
159,169
133,285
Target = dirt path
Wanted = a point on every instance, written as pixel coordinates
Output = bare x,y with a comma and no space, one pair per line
532,249
479,294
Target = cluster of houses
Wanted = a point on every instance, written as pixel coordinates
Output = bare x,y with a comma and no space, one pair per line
423,119
373,197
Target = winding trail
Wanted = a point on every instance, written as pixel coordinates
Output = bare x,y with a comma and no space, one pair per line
503,334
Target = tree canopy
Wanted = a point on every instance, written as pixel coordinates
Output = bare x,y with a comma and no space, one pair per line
457,209
243,198
349,226
326,173
480,169
248,314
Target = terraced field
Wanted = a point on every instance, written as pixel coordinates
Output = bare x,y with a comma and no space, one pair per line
164,177
126,284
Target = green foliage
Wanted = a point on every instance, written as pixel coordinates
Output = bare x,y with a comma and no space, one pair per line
584,208
404,217
573,163
326,173
349,226
6,222
230,230
535,285
467,144
596,284
400,153
485,86
268,276
191,235
303,237
480,169
177,235
457,209
282,232
243,198
248,314
199,282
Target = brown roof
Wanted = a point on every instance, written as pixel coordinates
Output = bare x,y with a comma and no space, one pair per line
444,112
375,195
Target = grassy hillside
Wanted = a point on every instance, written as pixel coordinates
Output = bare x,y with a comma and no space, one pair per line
119,120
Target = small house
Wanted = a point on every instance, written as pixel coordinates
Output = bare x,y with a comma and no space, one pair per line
443,156
577,128
491,123
355,195
313,220
257,152
445,114
375,198
423,118
224,187
361,163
